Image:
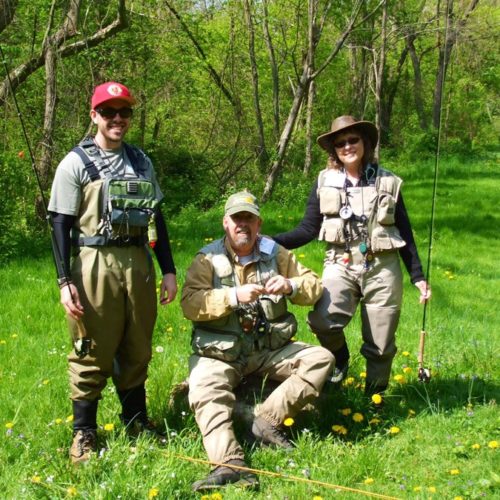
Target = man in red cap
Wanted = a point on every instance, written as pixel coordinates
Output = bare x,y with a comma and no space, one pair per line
105,210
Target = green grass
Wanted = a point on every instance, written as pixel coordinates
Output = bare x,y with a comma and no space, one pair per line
438,423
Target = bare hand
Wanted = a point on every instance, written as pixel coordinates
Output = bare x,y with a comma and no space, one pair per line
71,301
278,285
425,291
168,289
249,293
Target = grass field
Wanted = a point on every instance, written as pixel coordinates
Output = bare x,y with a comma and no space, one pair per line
436,440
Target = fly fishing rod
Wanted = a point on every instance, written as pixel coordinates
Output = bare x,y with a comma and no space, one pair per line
424,374
82,343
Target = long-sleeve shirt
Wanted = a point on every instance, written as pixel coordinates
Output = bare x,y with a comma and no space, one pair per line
201,302
310,225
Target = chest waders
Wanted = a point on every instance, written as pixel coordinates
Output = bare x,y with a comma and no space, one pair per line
361,267
265,323
113,271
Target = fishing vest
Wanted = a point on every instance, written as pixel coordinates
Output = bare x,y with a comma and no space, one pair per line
224,338
115,210
373,210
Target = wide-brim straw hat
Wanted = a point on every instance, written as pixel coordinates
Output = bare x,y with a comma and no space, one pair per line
343,123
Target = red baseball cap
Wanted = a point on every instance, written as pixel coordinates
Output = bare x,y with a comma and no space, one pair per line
111,90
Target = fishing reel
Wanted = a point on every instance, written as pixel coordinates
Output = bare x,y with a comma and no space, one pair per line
82,347
424,375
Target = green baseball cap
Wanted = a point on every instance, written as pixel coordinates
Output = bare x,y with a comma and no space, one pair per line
242,202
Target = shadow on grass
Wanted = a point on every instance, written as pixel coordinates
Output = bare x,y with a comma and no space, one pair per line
337,406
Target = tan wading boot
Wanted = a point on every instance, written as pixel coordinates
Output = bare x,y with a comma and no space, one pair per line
224,475
84,443
267,433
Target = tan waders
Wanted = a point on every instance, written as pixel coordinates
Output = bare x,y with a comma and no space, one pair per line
378,290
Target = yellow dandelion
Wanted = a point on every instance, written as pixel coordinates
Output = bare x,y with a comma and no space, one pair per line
407,369
411,413
339,429
205,497
288,422
349,381
493,444
394,430
399,379
170,329
3,342
476,446
417,488
302,255
374,421
58,421
69,418
109,427
215,496
358,417
153,492
14,335
293,339
346,411
362,375
317,497
431,489
9,425
454,472
458,498
405,354
72,491
36,479
46,381
377,399
369,480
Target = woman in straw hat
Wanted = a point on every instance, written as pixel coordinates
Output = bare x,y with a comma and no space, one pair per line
356,207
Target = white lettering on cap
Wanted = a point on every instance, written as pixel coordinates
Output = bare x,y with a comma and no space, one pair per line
115,90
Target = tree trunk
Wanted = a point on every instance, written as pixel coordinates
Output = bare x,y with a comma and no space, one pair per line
262,154
274,72
378,71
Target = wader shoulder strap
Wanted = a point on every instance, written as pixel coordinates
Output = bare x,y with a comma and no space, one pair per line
87,151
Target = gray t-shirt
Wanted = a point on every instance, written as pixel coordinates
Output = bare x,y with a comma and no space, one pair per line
71,177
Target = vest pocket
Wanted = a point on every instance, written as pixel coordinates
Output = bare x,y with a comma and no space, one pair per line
329,200
386,238
281,331
386,210
222,346
332,231
274,306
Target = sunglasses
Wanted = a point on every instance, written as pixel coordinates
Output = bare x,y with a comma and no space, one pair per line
350,140
111,112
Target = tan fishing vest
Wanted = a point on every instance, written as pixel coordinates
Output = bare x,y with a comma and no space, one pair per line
224,338
373,209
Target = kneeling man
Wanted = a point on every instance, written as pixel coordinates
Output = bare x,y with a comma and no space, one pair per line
236,293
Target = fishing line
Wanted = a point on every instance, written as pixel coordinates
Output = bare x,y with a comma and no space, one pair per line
283,476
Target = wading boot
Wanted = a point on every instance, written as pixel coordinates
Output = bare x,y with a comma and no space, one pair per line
267,433
223,475
341,365
135,417
84,431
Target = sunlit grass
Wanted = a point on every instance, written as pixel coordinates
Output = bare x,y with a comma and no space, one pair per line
436,440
